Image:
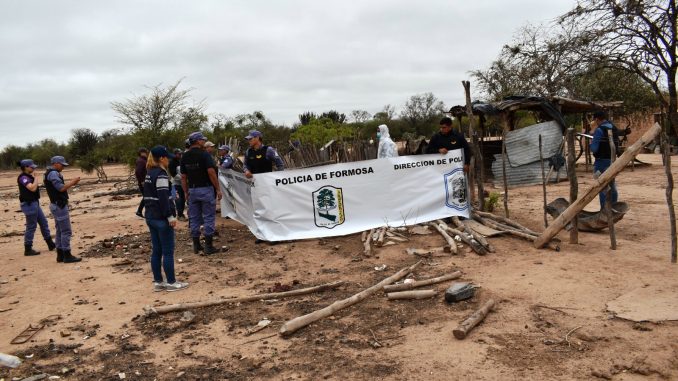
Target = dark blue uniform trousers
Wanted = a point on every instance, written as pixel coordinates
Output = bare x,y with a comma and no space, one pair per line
34,217
202,210
62,221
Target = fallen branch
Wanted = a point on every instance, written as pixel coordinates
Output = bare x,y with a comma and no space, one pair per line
450,241
478,237
417,294
467,325
297,323
428,252
505,221
368,241
381,233
422,283
149,310
469,240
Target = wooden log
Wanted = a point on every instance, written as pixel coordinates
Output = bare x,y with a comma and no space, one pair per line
505,221
574,185
297,323
363,237
417,294
608,199
543,182
380,236
368,243
149,310
478,237
450,241
599,184
477,156
467,325
428,252
469,240
422,283
666,156
504,160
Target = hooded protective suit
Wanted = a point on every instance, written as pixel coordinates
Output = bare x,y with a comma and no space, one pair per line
387,147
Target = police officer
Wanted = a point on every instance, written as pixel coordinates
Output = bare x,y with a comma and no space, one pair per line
447,139
260,158
225,159
200,184
57,190
29,196
600,147
175,172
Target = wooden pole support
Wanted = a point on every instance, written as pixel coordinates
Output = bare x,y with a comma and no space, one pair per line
599,184
608,199
574,185
416,294
421,283
475,147
297,323
441,228
467,325
504,160
543,182
666,155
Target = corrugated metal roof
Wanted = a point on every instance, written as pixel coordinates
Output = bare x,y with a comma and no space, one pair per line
528,174
522,145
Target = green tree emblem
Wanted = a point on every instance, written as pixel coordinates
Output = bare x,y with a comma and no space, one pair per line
325,202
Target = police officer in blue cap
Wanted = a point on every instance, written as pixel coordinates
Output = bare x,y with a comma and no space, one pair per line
260,158
29,196
225,159
57,190
200,184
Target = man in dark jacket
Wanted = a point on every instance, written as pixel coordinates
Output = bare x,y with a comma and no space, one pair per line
175,172
600,147
447,140
140,174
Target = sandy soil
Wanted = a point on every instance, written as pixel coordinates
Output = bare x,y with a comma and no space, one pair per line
93,328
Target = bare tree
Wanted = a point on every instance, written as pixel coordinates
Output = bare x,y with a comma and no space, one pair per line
638,36
360,116
420,111
163,107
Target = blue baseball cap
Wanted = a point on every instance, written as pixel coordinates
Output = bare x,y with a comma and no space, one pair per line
161,151
254,134
225,147
59,160
194,137
27,163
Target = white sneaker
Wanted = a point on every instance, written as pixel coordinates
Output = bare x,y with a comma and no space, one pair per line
176,286
159,286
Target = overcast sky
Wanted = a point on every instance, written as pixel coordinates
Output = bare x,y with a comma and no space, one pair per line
63,62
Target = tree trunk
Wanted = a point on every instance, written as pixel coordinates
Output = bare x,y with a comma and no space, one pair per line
417,294
608,199
669,193
467,325
422,283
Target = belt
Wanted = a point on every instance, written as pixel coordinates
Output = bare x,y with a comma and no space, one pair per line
199,186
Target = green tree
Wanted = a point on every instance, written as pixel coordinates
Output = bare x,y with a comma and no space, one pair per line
320,131
421,112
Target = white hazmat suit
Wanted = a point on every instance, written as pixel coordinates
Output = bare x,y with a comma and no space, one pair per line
387,147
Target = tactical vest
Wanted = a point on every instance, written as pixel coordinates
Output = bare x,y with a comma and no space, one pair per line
257,162
26,195
604,147
55,197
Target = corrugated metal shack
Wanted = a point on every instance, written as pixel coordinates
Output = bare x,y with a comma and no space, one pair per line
522,145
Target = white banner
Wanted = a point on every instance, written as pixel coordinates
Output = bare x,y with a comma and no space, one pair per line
347,198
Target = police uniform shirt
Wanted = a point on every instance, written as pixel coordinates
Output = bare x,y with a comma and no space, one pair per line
194,164
450,141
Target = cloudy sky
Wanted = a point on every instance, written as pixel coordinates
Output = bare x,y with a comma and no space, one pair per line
63,62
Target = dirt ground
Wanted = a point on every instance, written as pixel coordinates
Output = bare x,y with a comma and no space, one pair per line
550,322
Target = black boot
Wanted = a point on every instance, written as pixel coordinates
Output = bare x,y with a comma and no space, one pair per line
50,244
28,251
60,255
197,247
209,247
69,258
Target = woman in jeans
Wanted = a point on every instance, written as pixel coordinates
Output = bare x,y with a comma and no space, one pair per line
161,219
29,196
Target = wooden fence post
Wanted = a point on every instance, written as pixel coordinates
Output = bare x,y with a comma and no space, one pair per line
574,185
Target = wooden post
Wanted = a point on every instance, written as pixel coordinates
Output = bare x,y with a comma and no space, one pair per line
574,186
666,155
587,149
543,183
504,159
467,325
477,159
608,198
599,184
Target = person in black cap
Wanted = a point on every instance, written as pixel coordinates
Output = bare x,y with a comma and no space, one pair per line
57,190
200,184
29,197
175,172
260,158
448,139
600,147
140,174
161,219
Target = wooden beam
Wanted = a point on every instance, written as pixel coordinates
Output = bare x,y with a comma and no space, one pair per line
608,199
599,184
574,185
477,156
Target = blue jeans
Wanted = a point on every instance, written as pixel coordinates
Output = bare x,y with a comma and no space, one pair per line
202,210
34,217
162,239
600,166
62,221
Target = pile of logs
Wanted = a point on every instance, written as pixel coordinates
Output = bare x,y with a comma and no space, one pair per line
384,236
